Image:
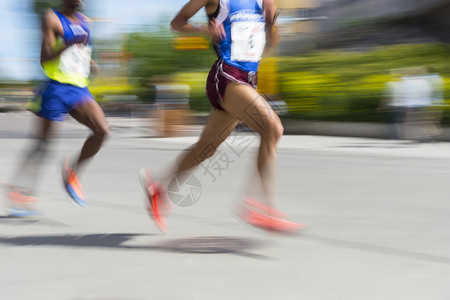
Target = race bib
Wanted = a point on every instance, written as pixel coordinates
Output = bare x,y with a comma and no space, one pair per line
76,59
247,41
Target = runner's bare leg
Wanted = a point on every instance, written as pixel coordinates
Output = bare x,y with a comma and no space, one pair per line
247,104
26,174
219,126
91,115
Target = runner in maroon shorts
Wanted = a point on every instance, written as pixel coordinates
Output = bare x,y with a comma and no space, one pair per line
239,30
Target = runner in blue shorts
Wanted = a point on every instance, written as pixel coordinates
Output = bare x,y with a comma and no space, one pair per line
66,60
239,30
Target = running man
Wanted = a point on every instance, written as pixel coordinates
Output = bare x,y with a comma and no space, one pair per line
239,30
66,60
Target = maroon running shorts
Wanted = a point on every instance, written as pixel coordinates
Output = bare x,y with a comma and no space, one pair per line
220,75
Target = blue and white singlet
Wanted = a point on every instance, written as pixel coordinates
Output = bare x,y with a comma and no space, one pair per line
245,29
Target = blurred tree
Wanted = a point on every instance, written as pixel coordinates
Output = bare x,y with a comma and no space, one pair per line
2,72
39,6
154,54
156,59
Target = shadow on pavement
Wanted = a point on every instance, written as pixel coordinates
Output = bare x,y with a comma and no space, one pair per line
213,245
71,240
200,245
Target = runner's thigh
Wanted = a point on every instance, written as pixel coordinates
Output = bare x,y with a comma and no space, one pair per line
219,126
91,115
247,104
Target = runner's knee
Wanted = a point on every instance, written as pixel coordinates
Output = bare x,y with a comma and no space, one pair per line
279,130
102,130
273,132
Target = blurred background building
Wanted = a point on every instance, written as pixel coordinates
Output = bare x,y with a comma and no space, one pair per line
298,24
312,24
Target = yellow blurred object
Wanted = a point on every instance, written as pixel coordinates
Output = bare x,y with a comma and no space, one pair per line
268,76
293,4
112,78
190,43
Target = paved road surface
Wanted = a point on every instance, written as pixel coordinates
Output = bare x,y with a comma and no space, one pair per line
378,215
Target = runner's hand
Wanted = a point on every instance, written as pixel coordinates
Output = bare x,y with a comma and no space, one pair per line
95,67
216,31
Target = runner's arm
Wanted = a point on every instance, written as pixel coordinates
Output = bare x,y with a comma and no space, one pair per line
181,23
49,30
270,15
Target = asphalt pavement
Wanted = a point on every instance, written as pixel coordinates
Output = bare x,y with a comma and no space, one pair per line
378,215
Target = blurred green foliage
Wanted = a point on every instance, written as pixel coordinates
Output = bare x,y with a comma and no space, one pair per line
380,60
197,82
156,61
39,6
154,56
331,85
348,86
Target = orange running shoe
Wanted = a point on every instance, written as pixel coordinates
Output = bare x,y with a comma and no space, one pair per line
72,184
262,216
255,204
21,202
157,201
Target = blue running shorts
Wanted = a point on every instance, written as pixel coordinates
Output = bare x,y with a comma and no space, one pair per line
58,99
